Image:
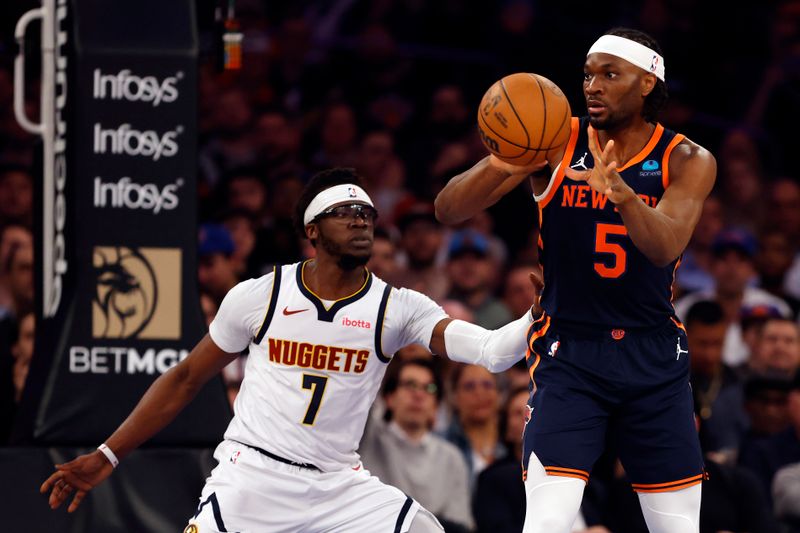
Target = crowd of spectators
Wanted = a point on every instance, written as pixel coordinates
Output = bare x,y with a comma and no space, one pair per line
390,88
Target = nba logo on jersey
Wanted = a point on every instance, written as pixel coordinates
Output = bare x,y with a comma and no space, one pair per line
235,456
554,348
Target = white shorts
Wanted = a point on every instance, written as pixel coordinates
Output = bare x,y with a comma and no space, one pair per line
250,493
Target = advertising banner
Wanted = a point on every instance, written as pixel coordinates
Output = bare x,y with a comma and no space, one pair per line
117,226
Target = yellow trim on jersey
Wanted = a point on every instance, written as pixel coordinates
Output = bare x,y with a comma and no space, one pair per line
317,296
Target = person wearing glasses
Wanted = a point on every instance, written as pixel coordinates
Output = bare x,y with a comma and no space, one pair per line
403,451
319,334
475,427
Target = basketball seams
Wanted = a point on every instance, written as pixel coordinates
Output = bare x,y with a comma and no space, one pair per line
544,110
496,133
567,114
514,109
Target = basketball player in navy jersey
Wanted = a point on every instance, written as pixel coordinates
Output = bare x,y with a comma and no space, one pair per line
607,355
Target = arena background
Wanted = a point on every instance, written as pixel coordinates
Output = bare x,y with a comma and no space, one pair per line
172,167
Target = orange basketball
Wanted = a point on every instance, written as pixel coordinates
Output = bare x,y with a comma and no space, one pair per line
522,117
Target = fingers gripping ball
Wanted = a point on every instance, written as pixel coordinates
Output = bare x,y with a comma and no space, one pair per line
522,117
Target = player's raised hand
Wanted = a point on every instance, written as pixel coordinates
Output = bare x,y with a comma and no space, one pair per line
79,476
603,177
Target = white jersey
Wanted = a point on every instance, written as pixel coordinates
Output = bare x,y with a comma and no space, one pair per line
314,368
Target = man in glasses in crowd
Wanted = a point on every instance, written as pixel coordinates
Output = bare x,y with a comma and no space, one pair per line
319,334
403,451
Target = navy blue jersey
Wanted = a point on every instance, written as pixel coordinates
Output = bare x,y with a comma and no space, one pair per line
593,273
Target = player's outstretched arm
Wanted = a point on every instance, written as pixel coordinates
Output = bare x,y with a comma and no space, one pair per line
162,402
495,349
479,187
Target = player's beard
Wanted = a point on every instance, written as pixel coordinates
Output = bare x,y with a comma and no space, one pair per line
345,261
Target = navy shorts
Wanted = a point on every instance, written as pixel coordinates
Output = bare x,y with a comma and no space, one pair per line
630,385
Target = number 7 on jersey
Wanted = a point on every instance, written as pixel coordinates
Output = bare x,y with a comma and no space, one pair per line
316,384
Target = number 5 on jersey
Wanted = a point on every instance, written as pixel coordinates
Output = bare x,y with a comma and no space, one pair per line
316,384
603,246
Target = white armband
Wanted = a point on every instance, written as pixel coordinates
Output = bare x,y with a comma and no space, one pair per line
495,349
110,455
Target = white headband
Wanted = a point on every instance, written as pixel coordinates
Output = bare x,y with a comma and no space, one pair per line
332,196
631,51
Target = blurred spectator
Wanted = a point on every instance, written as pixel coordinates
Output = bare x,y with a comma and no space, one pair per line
11,236
777,347
17,273
16,195
784,215
499,503
405,454
784,208
383,262
716,387
741,182
732,266
277,143
752,319
242,228
765,458
471,273
338,136
786,495
382,170
694,273
216,272
766,404
209,308
519,292
22,351
246,190
278,241
230,146
475,430
773,261
420,240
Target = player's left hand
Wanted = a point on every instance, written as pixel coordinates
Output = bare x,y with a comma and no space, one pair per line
603,177
79,476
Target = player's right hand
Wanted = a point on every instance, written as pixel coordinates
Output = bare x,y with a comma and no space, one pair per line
515,169
80,476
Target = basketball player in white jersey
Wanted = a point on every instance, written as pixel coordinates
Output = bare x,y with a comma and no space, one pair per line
319,335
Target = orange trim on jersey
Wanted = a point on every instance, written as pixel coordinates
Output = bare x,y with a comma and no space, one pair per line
559,177
654,138
678,324
567,472
671,485
573,470
665,159
535,364
535,336
541,332
671,488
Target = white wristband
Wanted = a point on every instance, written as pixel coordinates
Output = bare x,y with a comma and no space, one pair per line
112,458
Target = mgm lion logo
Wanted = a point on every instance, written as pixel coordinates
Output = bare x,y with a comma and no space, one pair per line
137,293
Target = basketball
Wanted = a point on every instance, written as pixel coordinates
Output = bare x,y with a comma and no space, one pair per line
522,117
